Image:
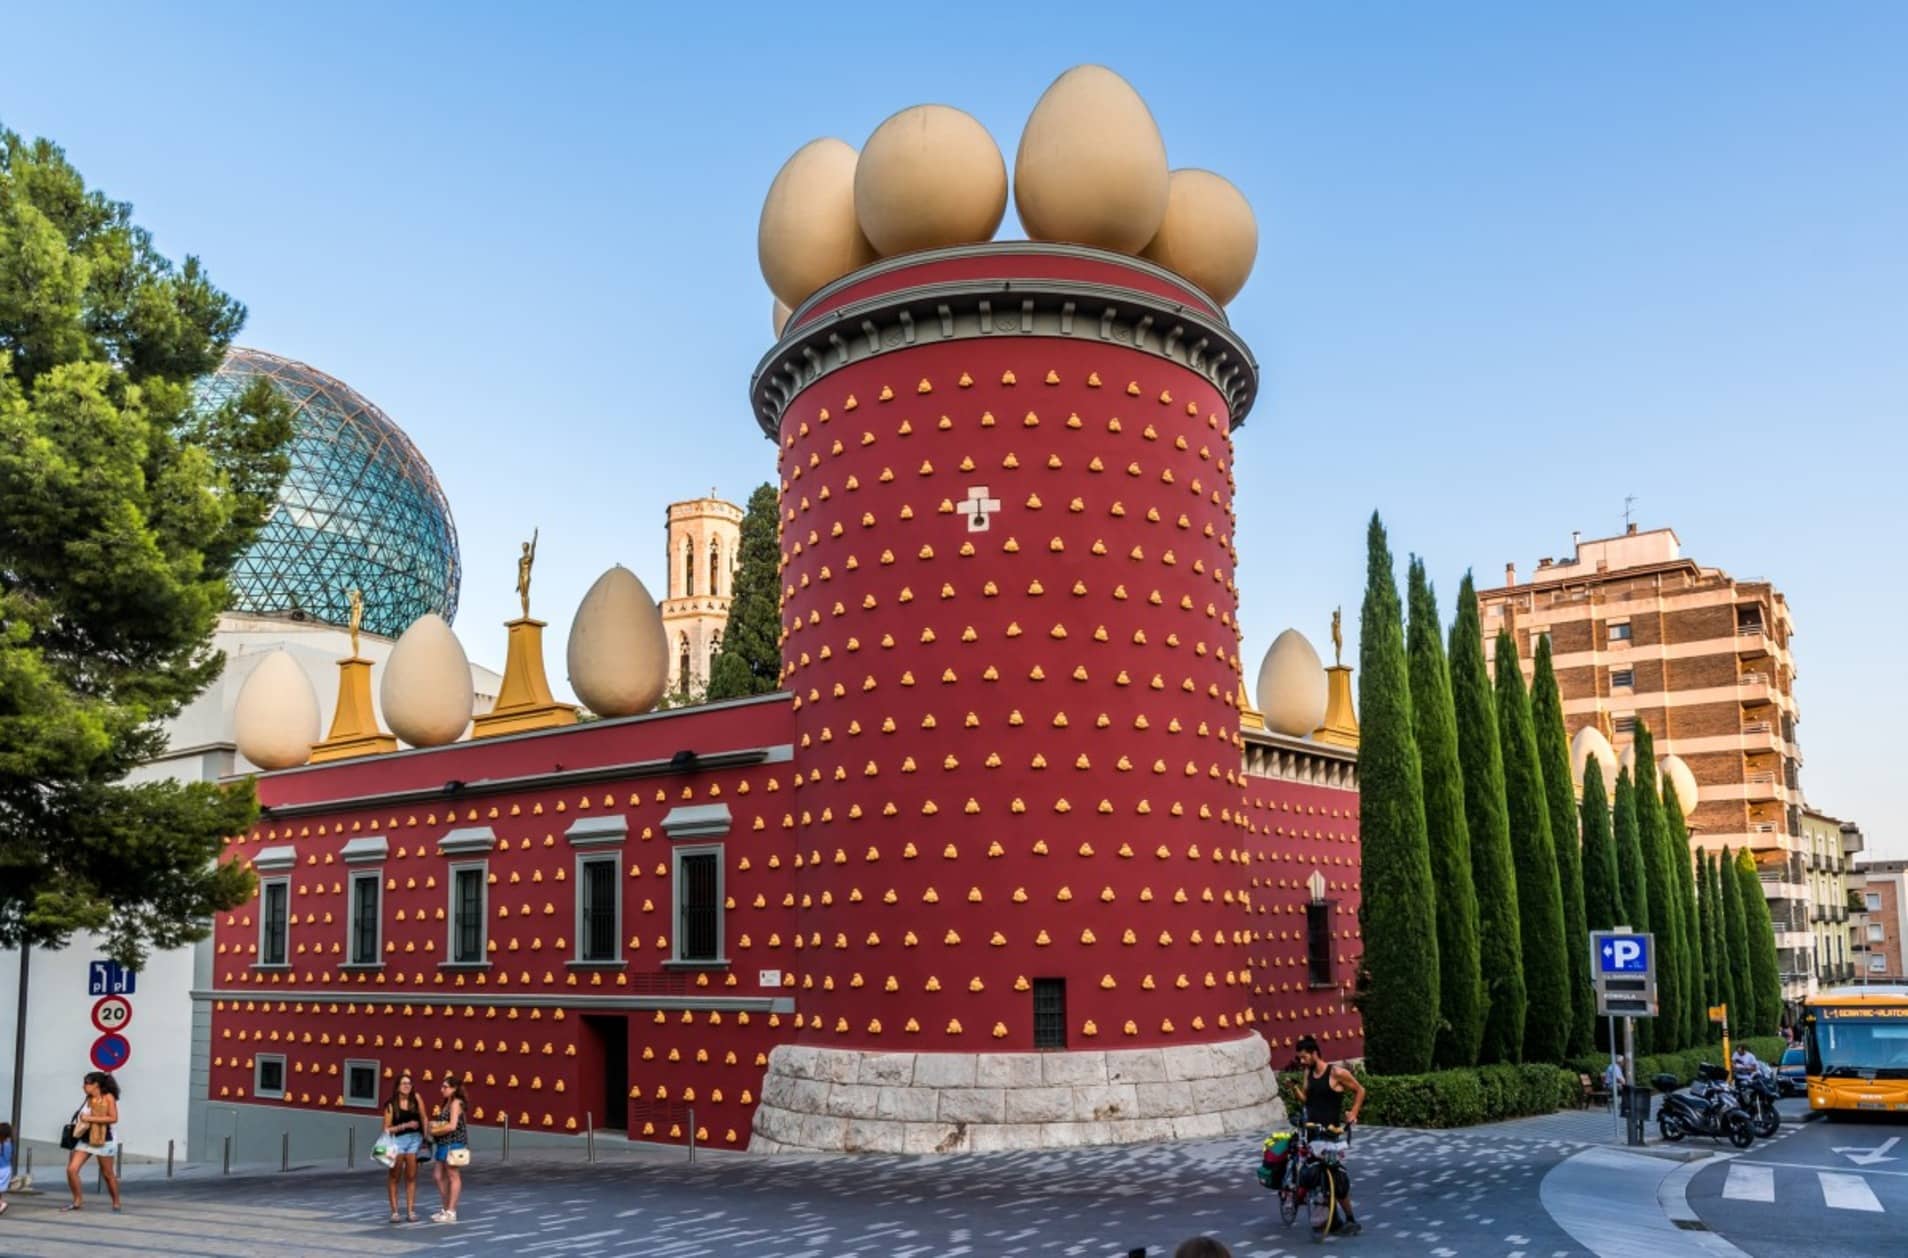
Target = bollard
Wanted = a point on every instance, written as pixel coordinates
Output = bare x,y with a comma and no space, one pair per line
226,1168
284,1152
28,1170
589,1138
351,1148
692,1134
168,1159
505,1159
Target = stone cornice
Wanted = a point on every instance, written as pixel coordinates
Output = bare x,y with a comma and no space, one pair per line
954,309
1283,758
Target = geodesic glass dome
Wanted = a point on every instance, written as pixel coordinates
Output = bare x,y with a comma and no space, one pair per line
359,508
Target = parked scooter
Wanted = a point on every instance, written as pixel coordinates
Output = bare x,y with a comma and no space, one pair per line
1706,1108
1756,1091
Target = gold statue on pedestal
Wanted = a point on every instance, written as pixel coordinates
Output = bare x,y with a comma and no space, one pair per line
356,598
524,701
1338,635
524,563
1340,727
354,723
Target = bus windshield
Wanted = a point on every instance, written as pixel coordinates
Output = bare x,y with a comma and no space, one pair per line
1857,1050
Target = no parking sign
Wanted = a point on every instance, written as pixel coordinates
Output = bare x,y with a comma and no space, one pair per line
112,1014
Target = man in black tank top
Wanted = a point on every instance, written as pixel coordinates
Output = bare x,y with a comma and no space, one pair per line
1326,1087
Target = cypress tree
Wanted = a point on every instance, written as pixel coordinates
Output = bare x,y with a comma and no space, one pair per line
1723,959
1602,892
1460,982
1741,972
1600,887
1764,972
1666,916
1706,916
1547,1016
1500,940
1676,841
1633,875
1560,795
1399,986
749,661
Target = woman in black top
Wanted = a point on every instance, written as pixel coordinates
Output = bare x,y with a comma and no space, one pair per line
92,1129
404,1124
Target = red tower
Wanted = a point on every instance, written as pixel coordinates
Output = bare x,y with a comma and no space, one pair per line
1010,634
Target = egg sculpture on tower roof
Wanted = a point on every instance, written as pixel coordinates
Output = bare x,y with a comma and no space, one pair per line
1090,170
618,656
1292,688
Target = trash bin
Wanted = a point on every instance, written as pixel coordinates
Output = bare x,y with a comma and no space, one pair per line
1637,1113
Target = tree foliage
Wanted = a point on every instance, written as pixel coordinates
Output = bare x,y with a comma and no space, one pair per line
1547,1016
1602,890
1736,922
1460,982
1634,878
1695,962
1764,972
1399,984
122,509
749,661
1666,915
1500,945
1560,795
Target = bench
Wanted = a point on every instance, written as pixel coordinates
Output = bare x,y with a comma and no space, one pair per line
1593,1094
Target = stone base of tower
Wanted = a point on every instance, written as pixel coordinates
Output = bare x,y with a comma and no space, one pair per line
852,1101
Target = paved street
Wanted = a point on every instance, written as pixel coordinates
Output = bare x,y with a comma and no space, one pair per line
1441,1194
1829,1190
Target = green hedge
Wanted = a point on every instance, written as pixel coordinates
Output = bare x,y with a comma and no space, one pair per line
1453,1098
1683,1065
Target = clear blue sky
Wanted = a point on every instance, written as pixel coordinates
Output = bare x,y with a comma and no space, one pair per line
1517,262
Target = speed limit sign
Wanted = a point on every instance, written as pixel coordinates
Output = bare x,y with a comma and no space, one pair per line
112,1013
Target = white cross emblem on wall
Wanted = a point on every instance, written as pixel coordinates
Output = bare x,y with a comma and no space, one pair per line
979,509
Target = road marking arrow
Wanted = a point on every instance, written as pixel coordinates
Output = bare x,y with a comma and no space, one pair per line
1868,1157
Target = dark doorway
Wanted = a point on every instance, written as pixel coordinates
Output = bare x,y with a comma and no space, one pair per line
607,1036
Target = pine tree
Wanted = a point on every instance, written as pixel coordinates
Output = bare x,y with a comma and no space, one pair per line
1706,915
1666,915
1741,969
1460,982
1500,941
123,508
1560,794
1601,901
750,660
1602,891
1764,971
1676,839
1547,1017
1633,873
1725,963
1399,985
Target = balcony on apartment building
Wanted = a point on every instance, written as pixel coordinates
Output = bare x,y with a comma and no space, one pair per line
1761,786
1752,688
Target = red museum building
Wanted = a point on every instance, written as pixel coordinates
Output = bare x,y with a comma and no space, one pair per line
1008,864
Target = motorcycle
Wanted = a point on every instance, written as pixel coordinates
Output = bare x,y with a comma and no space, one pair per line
1706,1108
1757,1094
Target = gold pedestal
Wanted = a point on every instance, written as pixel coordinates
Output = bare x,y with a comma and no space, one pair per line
354,726
524,701
1341,720
1249,717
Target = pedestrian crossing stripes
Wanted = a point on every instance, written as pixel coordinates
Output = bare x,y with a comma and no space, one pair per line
1841,1190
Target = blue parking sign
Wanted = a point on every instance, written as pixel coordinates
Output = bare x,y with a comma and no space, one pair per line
1622,954
110,978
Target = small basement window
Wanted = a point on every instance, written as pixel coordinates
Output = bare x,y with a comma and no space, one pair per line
1050,1012
268,1076
361,1084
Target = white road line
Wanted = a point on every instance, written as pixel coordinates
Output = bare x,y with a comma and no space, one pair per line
1749,1183
1843,1191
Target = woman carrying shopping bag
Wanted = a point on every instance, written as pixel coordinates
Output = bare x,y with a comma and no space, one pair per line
404,1139
92,1133
450,1152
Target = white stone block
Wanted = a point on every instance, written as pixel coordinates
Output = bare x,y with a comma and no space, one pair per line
972,1105
836,1065
1145,1065
944,1070
1039,1105
934,1138
1142,1131
998,1137
911,1105
1008,1070
778,1125
1197,1127
777,1087
1163,1100
1076,1070
1106,1103
888,1070
1191,1061
872,1135
807,1096
797,1060
1213,1096
818,1131
853,1100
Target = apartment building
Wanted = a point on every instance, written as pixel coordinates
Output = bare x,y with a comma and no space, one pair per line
1829,846
1641,634
1882,926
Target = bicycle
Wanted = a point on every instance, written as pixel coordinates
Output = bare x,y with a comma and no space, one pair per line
1323,1145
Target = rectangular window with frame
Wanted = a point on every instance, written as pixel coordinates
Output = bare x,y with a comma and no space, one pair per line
1619,632
367,896
698,892
1623,679
1877,962
1050,1013
599,926
1874,932
268,1076
274,922
467,895
1624,724
1873,900
1318,943
361,1083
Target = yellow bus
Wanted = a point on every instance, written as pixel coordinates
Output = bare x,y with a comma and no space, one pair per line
1856,1049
